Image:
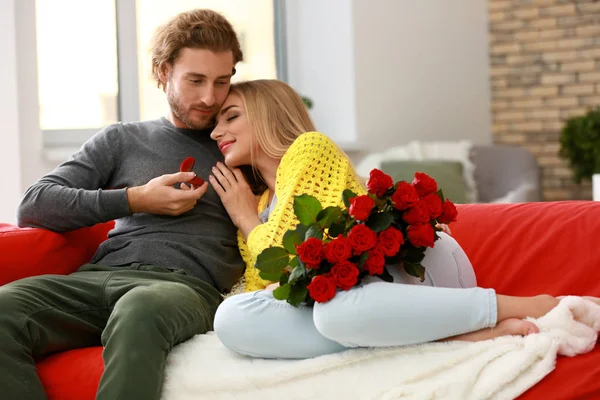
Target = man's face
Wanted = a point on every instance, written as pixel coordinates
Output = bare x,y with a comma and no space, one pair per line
196,86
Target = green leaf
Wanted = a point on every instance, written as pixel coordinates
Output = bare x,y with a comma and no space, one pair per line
440,194
272,260
328,216
306,208
347,194
283,279
363,259
282,292
294,262
416,270
290,239
415,254
315,232
380,221
297,273
386,276
337,229
297,295
271,276
301,229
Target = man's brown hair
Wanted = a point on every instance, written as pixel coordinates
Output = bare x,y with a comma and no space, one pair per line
196,29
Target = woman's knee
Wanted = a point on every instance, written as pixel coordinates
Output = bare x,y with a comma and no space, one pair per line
337,320
447,265
230,315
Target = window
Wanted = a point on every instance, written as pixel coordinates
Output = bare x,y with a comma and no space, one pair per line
94,61
252,20
77,63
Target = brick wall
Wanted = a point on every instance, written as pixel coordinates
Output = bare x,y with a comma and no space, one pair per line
544,68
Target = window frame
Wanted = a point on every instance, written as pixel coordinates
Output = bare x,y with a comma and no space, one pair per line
59,143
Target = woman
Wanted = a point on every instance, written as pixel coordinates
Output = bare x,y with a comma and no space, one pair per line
265,124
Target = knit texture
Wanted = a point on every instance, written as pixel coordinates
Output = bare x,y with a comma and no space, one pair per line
312,165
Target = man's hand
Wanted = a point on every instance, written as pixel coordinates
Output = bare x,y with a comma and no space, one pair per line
160,197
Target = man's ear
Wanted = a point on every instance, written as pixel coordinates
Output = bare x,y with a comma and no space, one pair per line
163,74
233,71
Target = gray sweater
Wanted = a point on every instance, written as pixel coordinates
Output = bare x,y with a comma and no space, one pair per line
202,241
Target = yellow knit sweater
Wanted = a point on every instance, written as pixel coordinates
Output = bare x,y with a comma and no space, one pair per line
312,165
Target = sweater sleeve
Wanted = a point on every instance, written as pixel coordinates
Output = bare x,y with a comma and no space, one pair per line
312,165
74,195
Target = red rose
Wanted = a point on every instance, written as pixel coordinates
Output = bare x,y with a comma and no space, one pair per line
449,212
362,238
360,207
389,241
379,182
322,288
375,263
339,249
345,274
421,235
311,252
418,214
424,184
435,204
405,196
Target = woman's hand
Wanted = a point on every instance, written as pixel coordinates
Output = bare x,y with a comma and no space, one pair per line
272,286
445,228
237,197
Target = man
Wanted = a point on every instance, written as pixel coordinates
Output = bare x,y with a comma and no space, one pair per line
157,280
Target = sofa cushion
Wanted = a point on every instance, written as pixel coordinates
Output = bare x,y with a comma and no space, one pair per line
72,375
448,174
534,248
33,251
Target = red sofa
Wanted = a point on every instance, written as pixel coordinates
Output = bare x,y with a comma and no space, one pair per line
522,249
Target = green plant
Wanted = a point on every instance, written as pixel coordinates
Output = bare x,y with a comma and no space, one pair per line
580,144
307,102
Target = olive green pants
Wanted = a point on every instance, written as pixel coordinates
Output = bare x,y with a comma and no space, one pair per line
137,312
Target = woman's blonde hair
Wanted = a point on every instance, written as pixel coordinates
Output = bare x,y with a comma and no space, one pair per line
276,117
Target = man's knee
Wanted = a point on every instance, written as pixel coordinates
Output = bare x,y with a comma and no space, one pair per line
147,308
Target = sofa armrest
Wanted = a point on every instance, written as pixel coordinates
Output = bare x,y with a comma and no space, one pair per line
533,248
32,251
503,171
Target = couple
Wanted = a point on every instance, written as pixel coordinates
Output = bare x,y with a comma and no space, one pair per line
159,277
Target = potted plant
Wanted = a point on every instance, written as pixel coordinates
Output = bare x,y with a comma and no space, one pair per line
580,146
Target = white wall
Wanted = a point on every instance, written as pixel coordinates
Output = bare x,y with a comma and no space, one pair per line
9,133
421,70
320,62
383,72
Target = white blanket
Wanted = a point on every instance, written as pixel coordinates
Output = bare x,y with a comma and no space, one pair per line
202,368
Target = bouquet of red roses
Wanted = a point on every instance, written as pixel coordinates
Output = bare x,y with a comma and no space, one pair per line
334,248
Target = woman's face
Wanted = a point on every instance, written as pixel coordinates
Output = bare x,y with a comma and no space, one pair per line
232,132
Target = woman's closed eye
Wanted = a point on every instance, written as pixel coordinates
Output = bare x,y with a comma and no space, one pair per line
231,117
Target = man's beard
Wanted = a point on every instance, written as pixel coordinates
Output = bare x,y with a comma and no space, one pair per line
179,110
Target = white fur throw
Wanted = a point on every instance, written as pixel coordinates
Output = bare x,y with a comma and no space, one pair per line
202,368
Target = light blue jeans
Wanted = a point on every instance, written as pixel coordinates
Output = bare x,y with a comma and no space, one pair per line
372,314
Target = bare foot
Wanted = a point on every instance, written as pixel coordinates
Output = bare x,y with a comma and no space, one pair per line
515,327
507,327
541,305
592,299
